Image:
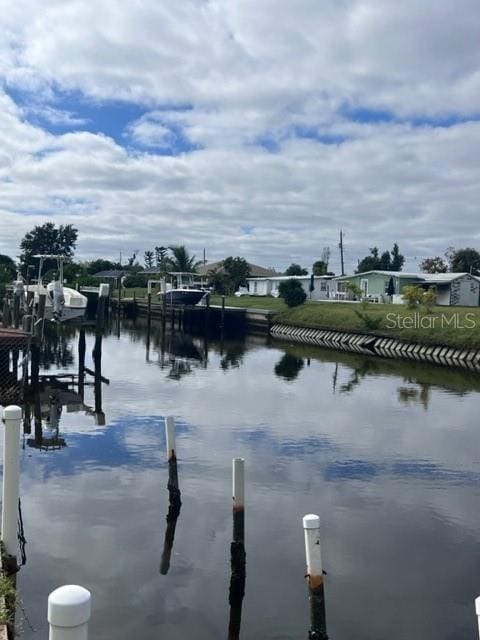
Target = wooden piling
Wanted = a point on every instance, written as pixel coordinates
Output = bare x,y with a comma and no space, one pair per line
237,550
81,362
174,496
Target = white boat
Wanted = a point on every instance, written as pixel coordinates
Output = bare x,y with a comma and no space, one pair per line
61,303
182,289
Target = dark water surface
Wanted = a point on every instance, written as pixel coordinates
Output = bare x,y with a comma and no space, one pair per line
387,453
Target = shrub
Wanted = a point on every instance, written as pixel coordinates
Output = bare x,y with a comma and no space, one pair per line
292,292
413,295
429,299
135,280
370,322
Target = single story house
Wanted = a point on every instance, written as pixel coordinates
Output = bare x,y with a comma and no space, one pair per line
255,270
268,286
375,284
456,289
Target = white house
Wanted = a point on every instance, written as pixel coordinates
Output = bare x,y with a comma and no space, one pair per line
268,286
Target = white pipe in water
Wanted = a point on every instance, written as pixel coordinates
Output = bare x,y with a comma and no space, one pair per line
12,417
69,609
238,483
313,554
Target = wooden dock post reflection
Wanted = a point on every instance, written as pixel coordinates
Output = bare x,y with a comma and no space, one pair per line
174,496
97,352
318,624
81,363
237,550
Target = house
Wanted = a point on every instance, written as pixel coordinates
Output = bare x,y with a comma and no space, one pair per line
268,286
375,284
255,270
454,289
457,289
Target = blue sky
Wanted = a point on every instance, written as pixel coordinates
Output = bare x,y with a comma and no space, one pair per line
242,129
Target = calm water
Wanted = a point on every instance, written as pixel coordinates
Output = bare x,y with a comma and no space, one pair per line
387,453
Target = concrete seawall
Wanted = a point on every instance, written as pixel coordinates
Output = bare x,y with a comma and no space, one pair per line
369,344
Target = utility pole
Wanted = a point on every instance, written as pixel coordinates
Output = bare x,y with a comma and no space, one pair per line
341,251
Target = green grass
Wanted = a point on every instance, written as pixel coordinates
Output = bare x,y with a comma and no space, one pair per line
395,321
252,302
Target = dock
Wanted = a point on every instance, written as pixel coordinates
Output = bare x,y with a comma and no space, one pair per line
14,348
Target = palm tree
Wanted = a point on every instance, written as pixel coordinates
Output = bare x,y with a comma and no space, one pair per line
181,260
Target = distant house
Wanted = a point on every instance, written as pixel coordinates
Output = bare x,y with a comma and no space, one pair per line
112,275
255,270
456,289
269,286
375,284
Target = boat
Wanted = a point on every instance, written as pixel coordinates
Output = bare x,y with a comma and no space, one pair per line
61,303
182,289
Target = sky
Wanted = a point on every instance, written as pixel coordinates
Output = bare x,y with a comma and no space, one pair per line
257,129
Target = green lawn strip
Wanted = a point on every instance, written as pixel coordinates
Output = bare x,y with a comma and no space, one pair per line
251,302
396,321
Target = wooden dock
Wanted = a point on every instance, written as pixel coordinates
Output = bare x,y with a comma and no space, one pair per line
13,345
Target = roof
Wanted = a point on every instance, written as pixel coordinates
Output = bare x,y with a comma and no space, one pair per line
445,277
394,274
255,269
110,273
280,277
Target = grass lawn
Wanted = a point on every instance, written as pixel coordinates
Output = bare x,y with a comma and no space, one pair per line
456,326
252,302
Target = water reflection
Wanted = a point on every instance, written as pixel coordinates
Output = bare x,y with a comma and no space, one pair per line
288,367
390,464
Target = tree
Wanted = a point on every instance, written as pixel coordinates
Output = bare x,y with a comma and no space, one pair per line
236,271
100,265
8,268
397,259
369,263
296,270
320,268
181,260
386,262
292,292
434,265
47,238
160,257
465,260
217,279
148,257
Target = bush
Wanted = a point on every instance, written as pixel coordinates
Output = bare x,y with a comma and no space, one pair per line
135,280
292,292
413,295
370,322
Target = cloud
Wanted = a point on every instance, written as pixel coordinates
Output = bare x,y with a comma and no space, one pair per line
294,122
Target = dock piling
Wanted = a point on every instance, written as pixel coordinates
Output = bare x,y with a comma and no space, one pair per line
477,610
12,417
237,550
69,610
311,527
174,496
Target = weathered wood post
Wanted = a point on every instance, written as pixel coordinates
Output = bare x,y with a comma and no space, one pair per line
69,610
174,496
16,311
237,549
81,362
12,417
97,352
40,316
149,301
164,308
207,314
318,625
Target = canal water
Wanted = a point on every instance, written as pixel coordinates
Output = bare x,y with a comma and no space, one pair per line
387,453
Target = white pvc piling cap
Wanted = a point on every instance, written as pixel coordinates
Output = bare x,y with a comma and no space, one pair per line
69,606
12,412
477,606
311,521
104,290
